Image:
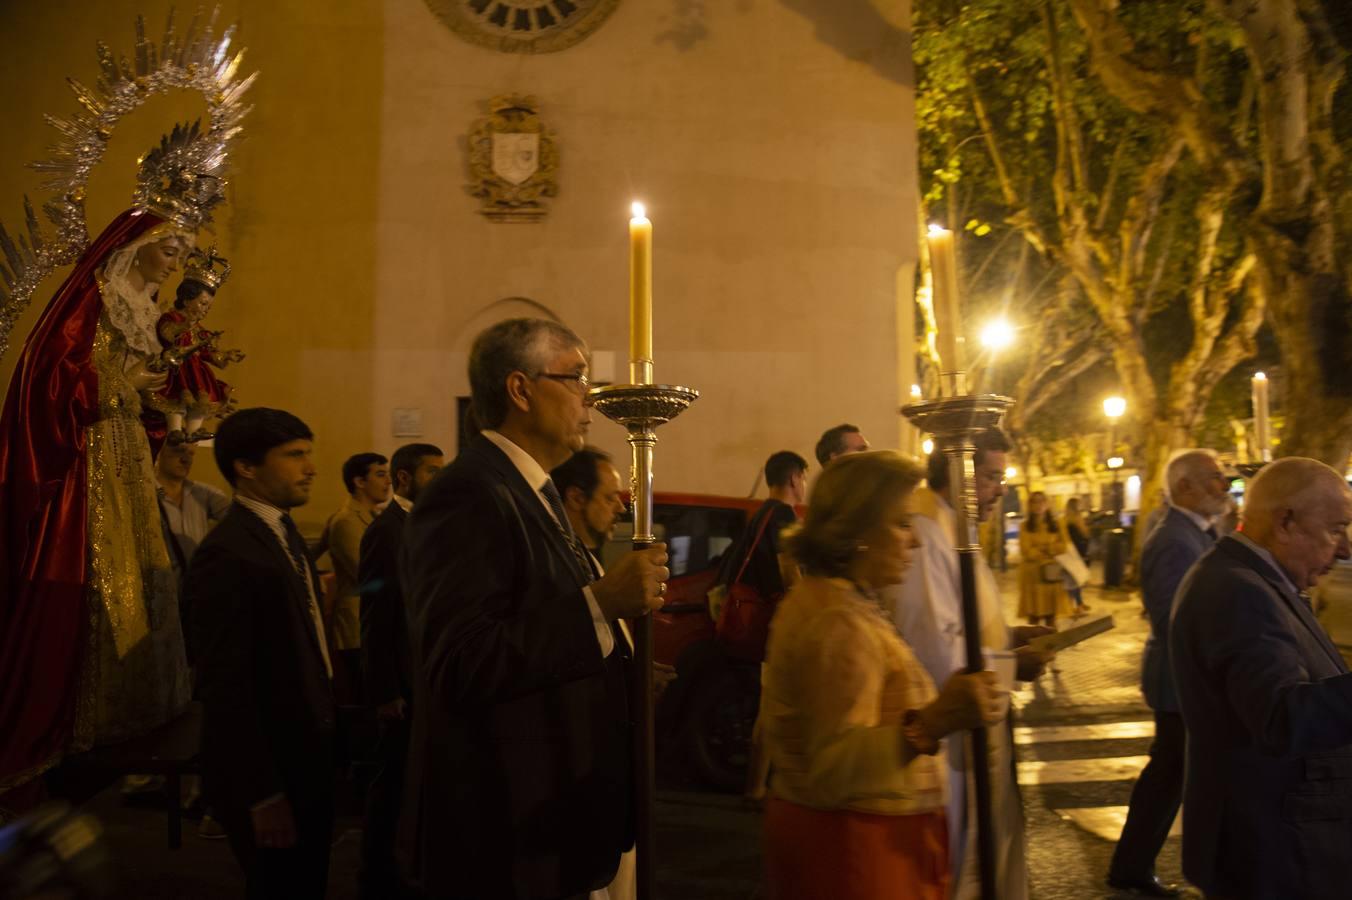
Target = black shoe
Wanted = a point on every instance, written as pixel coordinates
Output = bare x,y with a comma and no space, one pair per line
1147,886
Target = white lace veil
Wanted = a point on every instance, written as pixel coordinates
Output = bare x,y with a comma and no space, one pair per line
134,313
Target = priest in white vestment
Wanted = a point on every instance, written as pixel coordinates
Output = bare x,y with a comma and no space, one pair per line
927,609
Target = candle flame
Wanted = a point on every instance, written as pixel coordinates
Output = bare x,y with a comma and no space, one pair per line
1260,377
936,230
638,210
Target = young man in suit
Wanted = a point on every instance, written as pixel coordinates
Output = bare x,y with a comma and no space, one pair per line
1266,698
385,663
519,782
263,668
1195,488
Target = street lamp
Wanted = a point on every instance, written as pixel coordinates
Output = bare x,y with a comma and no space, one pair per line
1114,408
997,335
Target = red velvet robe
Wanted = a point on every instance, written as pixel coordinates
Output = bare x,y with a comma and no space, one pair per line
52,399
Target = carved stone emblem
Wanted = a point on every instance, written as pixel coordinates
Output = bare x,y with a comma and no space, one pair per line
516,155
513,161
523,26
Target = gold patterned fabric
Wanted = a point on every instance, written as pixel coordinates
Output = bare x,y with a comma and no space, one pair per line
135,675
836,684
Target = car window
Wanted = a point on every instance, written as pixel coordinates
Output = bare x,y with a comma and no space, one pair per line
696,536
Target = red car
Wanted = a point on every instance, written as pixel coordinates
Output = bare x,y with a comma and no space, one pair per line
706,715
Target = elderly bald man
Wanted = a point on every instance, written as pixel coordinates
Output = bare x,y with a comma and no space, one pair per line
1266,699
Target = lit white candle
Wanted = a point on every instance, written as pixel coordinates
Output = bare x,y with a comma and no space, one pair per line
1262,437
944,281
640,297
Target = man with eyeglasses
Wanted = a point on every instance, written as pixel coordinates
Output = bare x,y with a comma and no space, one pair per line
927,609
519,769
1195,490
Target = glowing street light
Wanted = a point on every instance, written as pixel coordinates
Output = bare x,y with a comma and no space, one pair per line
1011,473
997,335
1113,408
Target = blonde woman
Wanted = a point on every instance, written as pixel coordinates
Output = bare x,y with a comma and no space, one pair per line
851,719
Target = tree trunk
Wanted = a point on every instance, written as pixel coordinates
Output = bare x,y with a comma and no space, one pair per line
1309,316
1162,439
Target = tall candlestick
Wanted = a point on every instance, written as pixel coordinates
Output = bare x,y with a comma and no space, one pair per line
640,297
1261,435
944,281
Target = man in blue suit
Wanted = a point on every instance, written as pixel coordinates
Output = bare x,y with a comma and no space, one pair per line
1196,492
1267,700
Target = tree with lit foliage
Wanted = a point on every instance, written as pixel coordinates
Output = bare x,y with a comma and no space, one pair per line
1146,246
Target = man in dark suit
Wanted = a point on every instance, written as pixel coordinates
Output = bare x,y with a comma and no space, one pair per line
519,782
1195,489
385,663
263,671
1267,700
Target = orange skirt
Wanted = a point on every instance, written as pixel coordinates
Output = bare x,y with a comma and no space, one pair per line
841,854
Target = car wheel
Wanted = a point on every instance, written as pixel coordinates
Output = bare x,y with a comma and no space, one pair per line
719,719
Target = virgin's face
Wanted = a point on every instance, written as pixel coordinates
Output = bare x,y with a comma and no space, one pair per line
157,260
887,545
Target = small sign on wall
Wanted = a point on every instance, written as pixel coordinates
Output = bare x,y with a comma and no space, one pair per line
407,422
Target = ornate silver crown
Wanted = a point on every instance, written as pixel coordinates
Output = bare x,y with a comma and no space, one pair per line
207,268
183,178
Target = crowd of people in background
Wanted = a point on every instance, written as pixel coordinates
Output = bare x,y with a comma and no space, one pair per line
468,613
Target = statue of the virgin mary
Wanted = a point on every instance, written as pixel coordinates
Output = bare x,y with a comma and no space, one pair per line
91,647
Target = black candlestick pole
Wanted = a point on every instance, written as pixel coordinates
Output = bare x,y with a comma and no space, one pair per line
955,422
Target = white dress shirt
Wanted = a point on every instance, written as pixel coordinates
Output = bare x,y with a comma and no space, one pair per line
536,477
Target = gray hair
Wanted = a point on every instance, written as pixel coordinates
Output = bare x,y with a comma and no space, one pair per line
1186,464
512,345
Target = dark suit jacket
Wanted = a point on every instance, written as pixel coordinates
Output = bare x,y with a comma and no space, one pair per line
266,696
1169,552
519,763
1267,701
384,629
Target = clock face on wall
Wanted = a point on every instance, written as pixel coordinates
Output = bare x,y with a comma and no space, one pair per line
523,26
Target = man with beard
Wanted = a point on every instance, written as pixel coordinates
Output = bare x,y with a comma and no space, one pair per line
385,662
927,609
1266,697
1195,489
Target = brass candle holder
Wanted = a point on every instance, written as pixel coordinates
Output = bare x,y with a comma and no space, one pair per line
641,408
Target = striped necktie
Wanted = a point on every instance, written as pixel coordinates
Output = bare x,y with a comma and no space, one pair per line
551,495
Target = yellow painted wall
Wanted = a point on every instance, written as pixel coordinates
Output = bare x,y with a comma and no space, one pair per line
299,225
772,140
773,144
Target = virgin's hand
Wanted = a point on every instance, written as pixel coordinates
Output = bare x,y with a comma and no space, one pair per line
142,379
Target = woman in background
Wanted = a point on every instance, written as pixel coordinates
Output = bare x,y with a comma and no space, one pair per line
1077,532
1042,590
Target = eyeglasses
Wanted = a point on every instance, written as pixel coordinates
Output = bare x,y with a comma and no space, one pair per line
577,382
